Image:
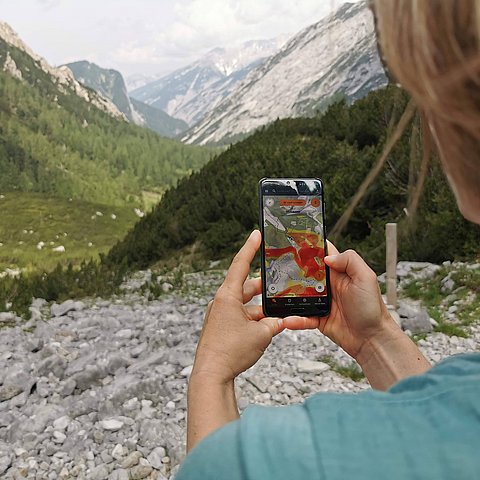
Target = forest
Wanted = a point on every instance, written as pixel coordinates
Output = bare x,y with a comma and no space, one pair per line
54,142
212,210
208,214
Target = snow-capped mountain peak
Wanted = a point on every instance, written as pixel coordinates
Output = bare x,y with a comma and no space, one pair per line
190,92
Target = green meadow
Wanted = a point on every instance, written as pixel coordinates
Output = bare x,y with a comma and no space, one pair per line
33,225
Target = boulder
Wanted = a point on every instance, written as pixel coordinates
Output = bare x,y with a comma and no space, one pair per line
65,307
310,366
414,317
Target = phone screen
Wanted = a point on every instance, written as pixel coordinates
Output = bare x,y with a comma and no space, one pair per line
293,227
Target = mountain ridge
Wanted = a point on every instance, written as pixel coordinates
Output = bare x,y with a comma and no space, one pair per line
63,75
188,92
110,83
57,137
329,59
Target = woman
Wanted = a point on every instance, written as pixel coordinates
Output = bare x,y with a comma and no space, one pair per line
418,422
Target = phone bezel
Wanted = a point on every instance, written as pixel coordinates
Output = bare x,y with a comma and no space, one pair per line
269,309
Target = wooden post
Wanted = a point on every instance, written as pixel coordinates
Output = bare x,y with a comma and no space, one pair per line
391,234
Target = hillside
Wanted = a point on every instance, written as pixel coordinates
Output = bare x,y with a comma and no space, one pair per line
33,227
59,138
210,212
110,84
334,58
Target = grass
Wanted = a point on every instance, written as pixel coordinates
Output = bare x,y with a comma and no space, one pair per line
351,371
465,294
30,218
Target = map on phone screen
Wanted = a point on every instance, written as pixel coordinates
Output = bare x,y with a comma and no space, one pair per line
294,246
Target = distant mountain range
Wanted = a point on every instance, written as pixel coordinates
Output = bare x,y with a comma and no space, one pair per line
334,58
61,138
229,93
110,84
192,92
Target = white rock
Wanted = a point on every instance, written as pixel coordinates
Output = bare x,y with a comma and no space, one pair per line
117,452
59,249
187,371
61,423
309,366
113,216
111,424
59,437
155,457
125,333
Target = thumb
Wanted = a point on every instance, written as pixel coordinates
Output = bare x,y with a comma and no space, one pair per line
349,262
275,325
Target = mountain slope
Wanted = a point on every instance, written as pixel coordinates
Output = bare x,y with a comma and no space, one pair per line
61,138
341,147
157,120
110,84
191,92
336,57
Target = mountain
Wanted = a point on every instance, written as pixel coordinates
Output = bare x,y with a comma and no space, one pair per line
209,214
138,80
110,84
336,57
62,77
63,139
191,92
157,120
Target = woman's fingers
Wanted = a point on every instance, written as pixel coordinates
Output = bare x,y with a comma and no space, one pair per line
251,288
255,312
240,267
301,323
277,325
349,262
332,249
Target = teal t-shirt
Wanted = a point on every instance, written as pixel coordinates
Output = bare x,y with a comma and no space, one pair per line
424,427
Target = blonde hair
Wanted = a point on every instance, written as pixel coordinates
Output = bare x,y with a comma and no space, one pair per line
432,48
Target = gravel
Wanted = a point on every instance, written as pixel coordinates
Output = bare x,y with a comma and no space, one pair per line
99,391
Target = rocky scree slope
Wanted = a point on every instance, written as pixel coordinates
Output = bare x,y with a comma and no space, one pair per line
98,391
336,57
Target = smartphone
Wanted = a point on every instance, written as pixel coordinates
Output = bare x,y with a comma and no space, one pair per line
295,279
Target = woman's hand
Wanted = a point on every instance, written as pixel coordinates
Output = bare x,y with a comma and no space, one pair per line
358,312
359,322
235,335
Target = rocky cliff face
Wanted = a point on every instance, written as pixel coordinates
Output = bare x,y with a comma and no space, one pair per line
191,92
337,57
110,84
62,76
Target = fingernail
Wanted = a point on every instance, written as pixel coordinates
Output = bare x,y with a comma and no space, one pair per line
331,258
253,234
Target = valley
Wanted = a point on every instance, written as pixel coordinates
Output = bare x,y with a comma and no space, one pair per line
37,231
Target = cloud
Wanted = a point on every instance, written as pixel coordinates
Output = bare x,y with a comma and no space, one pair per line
49,4
198,26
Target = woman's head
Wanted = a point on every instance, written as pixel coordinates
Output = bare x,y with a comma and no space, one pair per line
432,48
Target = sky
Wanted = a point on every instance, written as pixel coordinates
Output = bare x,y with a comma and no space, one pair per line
152,37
